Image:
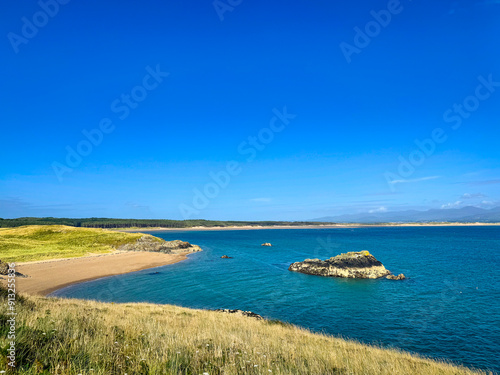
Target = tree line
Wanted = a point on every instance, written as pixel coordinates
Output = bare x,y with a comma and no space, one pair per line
139,223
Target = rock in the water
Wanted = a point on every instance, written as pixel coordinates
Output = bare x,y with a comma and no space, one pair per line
241,312
361,265
266,244
394,277
226,257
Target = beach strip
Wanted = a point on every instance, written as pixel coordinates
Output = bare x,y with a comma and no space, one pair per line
44,277
322,226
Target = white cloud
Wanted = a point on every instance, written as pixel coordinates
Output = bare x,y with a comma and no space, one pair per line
472,196
488,203
487,182
137,206
379,209
12,207
261,200
414,180
451,205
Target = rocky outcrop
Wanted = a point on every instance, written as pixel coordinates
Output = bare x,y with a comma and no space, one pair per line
240,312
266,244
150,243
360,265
394,277
4,269
226,257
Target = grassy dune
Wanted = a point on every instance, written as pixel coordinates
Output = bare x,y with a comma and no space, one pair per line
40,242
63,336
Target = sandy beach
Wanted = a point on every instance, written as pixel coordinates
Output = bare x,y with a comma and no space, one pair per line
44,277
326,226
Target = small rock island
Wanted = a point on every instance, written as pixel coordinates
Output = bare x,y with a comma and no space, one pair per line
360,265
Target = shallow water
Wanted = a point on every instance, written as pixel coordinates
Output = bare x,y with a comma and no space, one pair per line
449,307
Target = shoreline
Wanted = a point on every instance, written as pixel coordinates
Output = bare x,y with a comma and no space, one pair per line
47,276
326,226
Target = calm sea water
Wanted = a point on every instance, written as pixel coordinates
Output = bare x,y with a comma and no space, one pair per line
449,307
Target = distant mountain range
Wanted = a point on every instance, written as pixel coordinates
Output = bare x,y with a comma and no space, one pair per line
464,214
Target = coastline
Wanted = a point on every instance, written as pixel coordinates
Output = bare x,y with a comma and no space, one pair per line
326,226
55,301
45,277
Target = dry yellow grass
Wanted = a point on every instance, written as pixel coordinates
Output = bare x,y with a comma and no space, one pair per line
64,336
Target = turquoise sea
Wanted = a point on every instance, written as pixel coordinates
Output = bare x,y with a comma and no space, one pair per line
449,307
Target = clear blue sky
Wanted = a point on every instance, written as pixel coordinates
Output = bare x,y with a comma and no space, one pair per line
359,101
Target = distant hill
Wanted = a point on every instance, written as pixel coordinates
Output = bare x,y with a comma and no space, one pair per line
464,214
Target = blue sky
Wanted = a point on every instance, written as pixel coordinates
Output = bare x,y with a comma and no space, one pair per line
302,109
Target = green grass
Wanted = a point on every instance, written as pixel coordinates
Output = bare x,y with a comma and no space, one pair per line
65,336
41,242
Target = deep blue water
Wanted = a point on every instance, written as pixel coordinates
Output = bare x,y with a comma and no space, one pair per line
449,307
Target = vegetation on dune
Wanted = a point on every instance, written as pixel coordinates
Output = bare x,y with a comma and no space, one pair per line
40,242
139,223
64,336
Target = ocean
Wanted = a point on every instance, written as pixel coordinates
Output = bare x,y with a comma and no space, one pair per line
448,308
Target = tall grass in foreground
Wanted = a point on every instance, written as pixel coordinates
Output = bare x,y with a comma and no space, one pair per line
64,336
40,242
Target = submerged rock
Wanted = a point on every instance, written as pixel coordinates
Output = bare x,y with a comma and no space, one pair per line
360,265
266,244
394,277
240,312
